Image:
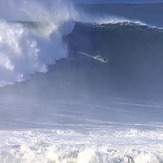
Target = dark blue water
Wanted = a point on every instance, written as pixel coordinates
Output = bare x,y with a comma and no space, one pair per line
118,1
150,13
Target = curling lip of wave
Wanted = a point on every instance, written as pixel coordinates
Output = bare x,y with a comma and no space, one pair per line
131,24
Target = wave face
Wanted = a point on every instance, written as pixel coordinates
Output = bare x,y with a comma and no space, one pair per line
134,52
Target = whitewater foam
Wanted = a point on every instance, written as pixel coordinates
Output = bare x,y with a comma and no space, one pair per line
31,37
127,146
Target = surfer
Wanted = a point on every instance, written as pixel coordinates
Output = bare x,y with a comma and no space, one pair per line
97,57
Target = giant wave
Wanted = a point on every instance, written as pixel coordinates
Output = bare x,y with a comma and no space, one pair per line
28,40
81,110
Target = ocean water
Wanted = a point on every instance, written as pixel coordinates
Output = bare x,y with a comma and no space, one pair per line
81,81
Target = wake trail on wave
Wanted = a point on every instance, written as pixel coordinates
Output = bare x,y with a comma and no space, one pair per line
96,57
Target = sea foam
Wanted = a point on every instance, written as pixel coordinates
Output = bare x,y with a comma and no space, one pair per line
70,146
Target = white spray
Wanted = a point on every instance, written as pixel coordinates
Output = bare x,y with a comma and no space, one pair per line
25,49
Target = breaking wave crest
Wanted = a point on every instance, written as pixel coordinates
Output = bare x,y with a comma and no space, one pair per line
26,44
